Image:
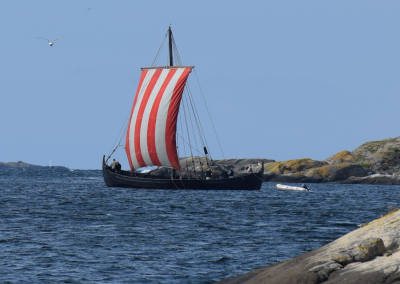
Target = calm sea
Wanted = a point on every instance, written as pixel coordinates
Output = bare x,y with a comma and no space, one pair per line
67,227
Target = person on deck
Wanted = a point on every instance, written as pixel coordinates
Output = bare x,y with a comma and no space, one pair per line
117,166
208,173
113,163
305,187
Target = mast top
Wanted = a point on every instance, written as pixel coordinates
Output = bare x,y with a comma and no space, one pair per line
170,39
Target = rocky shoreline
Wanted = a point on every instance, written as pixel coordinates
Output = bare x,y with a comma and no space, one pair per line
376,162
26,166
369,254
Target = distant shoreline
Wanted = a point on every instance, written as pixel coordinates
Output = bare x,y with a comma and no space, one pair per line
23,165
375,162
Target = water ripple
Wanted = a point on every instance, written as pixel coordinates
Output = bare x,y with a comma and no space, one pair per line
70,228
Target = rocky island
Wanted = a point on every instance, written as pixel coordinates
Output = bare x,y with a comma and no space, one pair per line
369,254
22,166
376,162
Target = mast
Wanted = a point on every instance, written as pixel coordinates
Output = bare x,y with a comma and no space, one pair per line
171,59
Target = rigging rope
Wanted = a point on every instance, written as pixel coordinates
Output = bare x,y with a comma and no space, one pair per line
188,134
195,140
198,124
182,139
125,126
118,144
209,115
197,117
200,130
176,52
187,122
188,104
159,49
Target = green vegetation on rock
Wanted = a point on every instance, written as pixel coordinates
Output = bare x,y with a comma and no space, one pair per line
376,157
341,157
292,166
336,172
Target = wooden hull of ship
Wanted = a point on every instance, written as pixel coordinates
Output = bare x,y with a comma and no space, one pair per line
125,179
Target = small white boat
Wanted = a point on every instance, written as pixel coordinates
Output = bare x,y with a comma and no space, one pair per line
289,187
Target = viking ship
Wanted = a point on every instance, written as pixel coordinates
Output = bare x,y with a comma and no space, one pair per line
151,139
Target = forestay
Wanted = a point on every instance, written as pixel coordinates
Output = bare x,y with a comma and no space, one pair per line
151,134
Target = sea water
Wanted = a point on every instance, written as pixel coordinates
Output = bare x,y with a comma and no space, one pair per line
62,226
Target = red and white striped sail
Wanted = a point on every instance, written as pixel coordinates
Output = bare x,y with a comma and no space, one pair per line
151,135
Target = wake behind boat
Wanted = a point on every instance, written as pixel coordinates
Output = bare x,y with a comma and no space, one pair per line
295,188
151,138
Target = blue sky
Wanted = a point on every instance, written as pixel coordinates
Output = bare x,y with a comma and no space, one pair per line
283,79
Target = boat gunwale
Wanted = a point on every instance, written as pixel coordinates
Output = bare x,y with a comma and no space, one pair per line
138,176
112,178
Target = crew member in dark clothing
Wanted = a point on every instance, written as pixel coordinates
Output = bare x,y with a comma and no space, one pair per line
208,173
115,165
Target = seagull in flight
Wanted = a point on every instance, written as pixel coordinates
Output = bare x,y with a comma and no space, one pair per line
50,42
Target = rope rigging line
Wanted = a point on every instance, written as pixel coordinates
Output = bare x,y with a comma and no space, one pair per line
191,140
195,133
192,131
183,141
118,144
182,138
175,50
197,118
200,130
209,115
196,151
125,126
187,132
177,55
187,114
159,49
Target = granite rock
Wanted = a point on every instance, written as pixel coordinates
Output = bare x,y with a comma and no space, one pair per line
376,162
369,254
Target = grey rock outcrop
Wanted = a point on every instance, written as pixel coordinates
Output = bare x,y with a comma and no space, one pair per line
18,164
219,167
369,254
375,162
374,179
380,156
26,166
